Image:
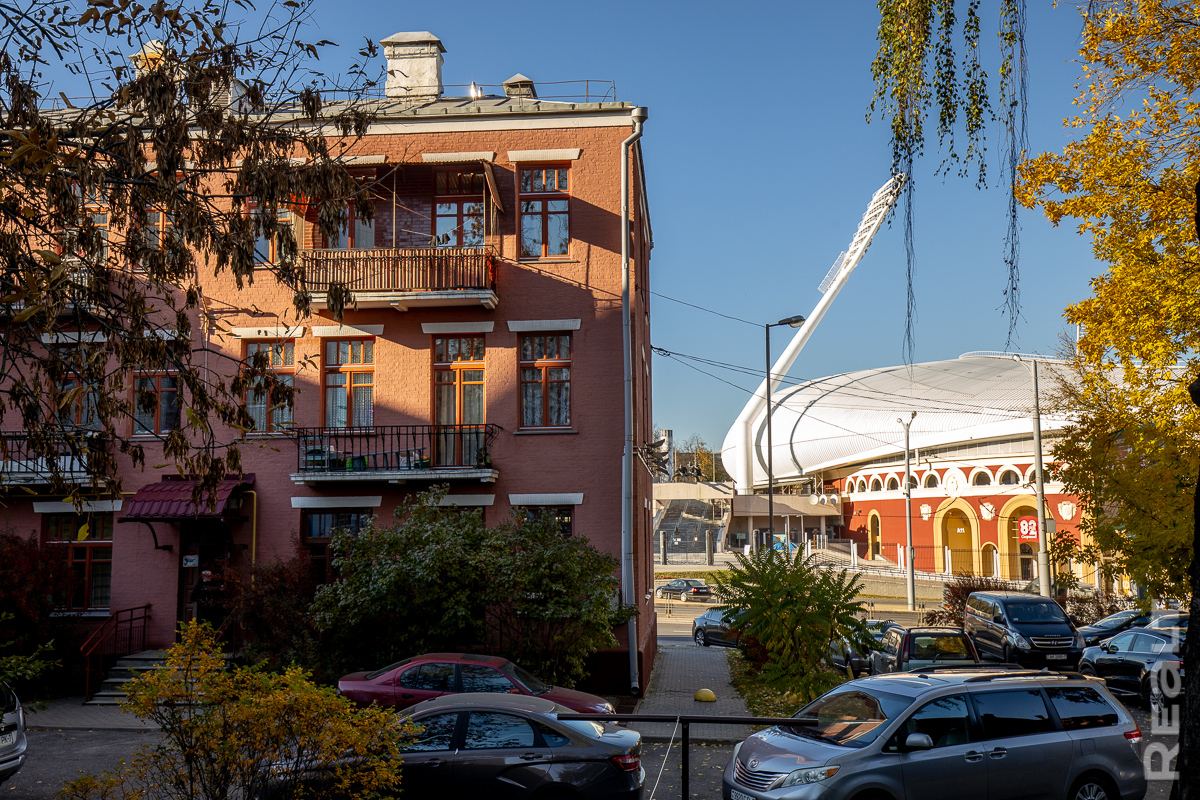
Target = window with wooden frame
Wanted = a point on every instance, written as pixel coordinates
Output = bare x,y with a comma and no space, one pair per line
458,396
545,366
545,212
77,404
266,248
560,517
158,231
459,219
318,528
358,234
155,404
349,383
89,540
271,411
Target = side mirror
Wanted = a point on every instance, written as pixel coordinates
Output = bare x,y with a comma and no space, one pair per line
1106,648
918,741
1074,621
998,618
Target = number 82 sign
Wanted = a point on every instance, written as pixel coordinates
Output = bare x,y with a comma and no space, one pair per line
1028,527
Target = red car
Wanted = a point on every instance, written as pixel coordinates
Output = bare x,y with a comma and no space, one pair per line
420,678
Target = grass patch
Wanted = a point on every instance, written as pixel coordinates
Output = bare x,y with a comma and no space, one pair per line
761,699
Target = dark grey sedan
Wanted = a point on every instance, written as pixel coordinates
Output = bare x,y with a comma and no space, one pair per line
712,628
510,747
684,589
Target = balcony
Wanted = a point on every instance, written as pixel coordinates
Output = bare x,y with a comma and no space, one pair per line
403,278
395,453
21,466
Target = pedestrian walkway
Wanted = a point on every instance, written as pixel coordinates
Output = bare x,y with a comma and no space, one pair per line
70,714
679,671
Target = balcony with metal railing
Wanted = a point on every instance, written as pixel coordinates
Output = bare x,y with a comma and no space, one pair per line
395,453
22,465
404,278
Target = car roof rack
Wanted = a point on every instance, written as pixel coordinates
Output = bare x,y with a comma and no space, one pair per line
962,668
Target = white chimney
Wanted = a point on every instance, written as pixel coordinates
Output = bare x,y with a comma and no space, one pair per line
414,65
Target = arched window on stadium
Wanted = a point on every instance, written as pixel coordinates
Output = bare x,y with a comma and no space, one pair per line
893,484
1009,478
862,485
912,481
931,480
982,478
876,486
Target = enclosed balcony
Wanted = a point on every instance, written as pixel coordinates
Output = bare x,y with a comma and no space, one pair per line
395,454
20,465
404,278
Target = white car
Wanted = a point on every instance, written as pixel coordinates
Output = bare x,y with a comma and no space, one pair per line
12,733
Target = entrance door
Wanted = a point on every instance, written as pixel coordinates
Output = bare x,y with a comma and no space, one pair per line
874,537
956,534
202,549
1026,562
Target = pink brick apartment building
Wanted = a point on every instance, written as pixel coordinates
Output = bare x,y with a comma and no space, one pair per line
484,351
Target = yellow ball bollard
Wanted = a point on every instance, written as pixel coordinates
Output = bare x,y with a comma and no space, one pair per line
706,696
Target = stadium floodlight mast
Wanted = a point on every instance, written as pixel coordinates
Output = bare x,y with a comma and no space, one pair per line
791,322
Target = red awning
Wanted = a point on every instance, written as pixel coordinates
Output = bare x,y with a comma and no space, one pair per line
170,500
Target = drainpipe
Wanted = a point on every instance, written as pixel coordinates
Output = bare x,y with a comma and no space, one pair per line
640,114
253,534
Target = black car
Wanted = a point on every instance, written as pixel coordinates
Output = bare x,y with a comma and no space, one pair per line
712,628
12,733
1132,662
904,649
843,651
684,589
494,745
1022,628
1171,620
1113,624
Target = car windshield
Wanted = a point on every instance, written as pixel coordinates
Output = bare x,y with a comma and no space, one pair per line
531,683
850,717
1113,621
691,582
1036,612
1170,621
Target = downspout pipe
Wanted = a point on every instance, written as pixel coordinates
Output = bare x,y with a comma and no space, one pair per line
628,598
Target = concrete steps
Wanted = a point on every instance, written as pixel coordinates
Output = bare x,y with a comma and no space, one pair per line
112,688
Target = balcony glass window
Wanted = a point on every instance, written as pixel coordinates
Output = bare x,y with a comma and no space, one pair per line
458,376
89,539
266,248
545,381
270,412
156,404
458,210
349,383
158,233
545,212
358,233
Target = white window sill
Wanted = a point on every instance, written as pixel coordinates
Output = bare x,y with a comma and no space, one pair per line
543,431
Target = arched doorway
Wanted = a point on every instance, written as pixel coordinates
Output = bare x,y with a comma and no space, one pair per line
1021,553
956,534
987,567
873,536
1008,525
1026,562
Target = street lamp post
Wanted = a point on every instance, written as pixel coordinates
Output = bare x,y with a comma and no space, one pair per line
791,322
911,575
1043,556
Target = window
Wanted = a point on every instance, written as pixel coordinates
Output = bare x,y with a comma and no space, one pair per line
551,737
1081,707
477,678
89,537
560,516
458,377
317,528
852,718
876,486
862,485
1009,478
893,484
266,248
946,721
80,411
270,411
358,234
429,677
458,210
349,383
1012,713
436,733
931,480
546,381
156,404
982,479
545,225
158,231
487,730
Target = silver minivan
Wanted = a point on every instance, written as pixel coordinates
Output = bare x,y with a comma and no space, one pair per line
12,733
948,733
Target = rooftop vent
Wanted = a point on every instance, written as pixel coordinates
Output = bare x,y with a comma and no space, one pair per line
519,86
414,65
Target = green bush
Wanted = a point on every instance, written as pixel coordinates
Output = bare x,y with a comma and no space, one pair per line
788,613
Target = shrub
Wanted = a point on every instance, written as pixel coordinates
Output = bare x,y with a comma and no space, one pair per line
1089,608
789,612
954,598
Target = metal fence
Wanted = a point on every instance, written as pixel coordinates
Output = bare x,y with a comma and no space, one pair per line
394,448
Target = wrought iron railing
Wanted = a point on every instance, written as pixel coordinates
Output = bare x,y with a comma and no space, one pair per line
394,448
400,269
21,463
124,632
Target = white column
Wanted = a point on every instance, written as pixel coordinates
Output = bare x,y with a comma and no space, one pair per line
996,563
900,555
947,564
853,552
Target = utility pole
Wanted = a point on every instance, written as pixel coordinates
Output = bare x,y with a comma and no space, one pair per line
910,571
1043,544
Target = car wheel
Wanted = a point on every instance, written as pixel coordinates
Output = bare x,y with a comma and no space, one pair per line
701,639
658,593
1152,698
1093,787
1086,671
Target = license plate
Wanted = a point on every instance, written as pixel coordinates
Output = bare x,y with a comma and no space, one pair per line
8,739
1056,657
736,795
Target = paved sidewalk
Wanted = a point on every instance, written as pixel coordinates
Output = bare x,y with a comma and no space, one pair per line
679,671
70,714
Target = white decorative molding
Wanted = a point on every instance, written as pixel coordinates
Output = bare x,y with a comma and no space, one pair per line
268,332
523,325
457,327
467,500
337,502
954,482
346,330
458,158
1067,509
88,506
561,154
353,161
987,511
926,511
74,337
561,499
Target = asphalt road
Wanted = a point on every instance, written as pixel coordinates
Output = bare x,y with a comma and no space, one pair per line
56,757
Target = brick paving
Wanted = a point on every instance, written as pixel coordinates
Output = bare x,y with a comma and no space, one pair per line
681,670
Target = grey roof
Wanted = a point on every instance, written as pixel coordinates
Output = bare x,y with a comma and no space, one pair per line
518,78
392,108
413,37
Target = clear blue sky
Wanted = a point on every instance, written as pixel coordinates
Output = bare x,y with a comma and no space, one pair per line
760,164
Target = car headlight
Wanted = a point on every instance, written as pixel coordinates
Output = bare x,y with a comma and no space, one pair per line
805,776
1079,640
1021,642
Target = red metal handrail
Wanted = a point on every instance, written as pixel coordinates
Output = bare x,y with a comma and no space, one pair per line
116,636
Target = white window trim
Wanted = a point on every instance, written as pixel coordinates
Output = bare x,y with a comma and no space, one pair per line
337,502
528,325
88,507
562,154
272,332
74,337
336,331
560,499
457,158
474,500
457,327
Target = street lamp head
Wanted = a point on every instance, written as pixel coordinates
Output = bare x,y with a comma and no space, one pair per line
793,322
